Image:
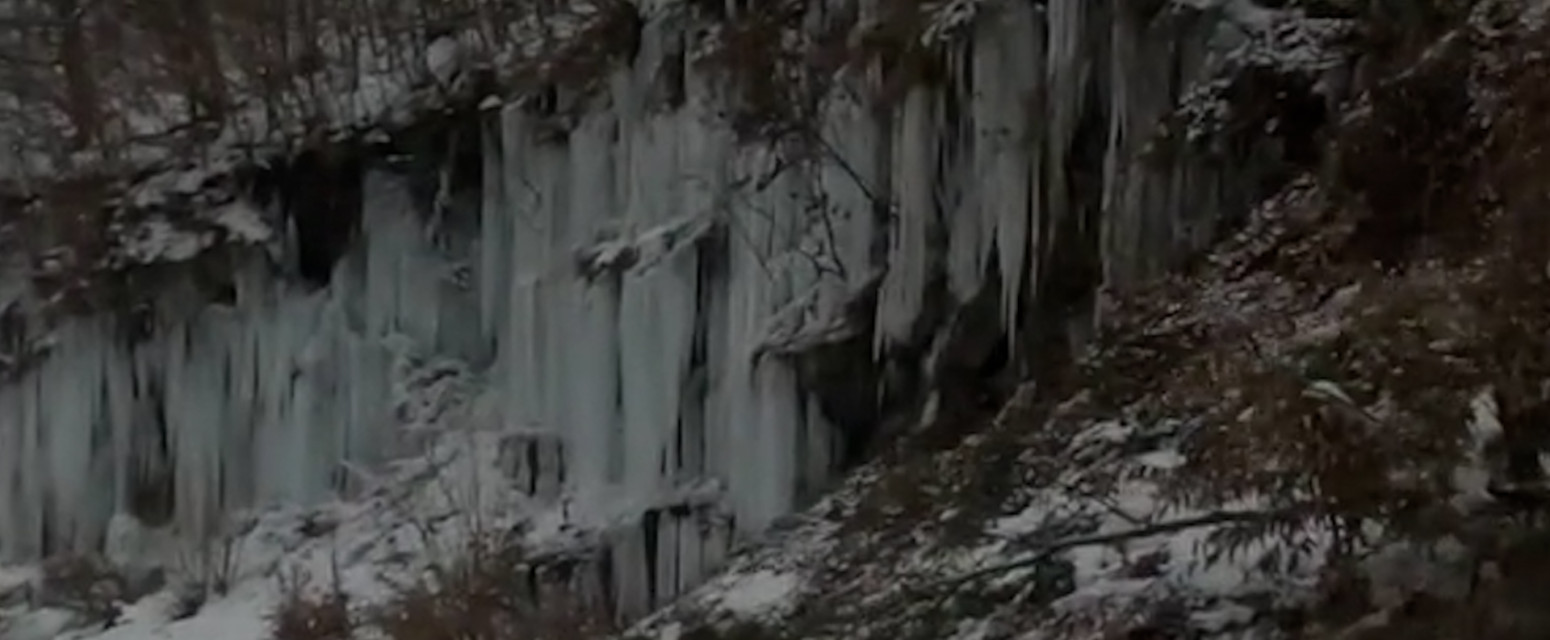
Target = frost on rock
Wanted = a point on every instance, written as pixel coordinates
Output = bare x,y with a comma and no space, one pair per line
222,407
616,285
1251,40
457,477
160,241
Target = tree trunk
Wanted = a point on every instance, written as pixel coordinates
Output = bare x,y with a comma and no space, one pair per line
82,100
201,62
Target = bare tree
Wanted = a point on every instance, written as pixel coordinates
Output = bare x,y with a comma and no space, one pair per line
82,97
184,32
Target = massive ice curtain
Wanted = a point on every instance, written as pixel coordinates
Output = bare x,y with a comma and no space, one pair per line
632,287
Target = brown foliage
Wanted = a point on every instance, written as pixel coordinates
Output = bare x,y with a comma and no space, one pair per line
1413,158
85,584
481,595
188,63
303,614
1342,391
303,617
780,72
760,62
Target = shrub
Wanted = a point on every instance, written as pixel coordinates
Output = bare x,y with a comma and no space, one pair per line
85,584
486,593
1342,394
303,615
779,69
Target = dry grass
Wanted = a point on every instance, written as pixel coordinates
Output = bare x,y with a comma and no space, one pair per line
487,593
303,616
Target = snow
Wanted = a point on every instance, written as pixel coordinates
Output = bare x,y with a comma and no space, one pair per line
813,568
418,513
230,619
1253,37
946,20
243,222
626,275
443,59
756,594
904,286
159,240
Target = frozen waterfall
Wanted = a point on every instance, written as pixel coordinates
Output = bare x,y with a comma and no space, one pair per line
630,280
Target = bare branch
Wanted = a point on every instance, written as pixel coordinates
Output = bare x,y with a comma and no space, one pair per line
1049,550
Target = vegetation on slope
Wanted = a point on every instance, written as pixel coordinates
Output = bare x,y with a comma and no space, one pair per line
1362,369
1335,360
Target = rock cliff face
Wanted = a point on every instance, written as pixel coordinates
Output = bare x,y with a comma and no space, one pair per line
680,327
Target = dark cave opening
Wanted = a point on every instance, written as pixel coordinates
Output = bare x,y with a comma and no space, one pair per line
319,192
845,379
439,157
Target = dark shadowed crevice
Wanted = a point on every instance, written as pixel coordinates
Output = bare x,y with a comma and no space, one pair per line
974,357
690,445
605,572
442,159
152,493
649,534
320,196
533,462
844,379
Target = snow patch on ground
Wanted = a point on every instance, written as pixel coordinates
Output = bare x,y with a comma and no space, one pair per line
1067,558
757,594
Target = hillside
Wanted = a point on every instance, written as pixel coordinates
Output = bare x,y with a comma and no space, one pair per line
1326,427
1226,324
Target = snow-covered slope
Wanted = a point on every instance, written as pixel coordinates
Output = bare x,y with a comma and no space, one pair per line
1165,494
646,297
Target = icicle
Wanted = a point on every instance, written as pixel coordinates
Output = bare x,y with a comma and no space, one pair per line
691,542
1068,66
593,329
258,403
657,310
637,382
852,182
496,231
666,554
970,221
915,179
1009,148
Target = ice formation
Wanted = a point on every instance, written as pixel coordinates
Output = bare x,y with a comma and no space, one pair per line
625,277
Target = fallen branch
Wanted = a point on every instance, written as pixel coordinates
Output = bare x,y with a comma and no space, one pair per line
1147,531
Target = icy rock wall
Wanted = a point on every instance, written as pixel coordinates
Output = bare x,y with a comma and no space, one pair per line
188,410
631,278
